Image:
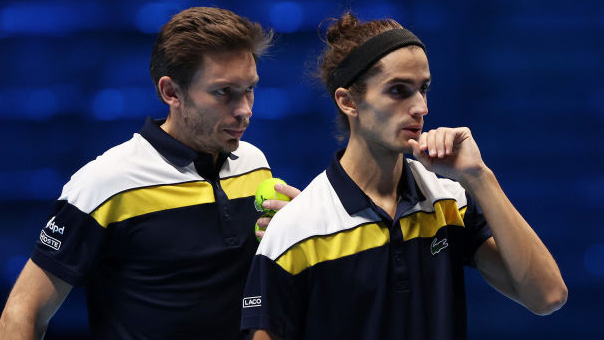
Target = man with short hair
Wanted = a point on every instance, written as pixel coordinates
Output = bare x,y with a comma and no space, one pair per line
159,229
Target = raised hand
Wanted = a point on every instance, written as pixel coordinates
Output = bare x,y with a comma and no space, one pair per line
449,152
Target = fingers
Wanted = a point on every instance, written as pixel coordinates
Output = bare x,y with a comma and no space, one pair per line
435,142
263,222
287,190
417,149
449,141
432,140
440,142
275,205
419,152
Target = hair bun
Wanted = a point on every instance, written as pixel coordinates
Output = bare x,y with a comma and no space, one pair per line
340,27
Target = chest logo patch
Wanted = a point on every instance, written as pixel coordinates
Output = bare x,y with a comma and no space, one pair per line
438,245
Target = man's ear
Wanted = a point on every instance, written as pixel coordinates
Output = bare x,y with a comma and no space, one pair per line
345,102
168,90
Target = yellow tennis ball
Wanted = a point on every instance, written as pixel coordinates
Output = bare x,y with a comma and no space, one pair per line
258,228
266,191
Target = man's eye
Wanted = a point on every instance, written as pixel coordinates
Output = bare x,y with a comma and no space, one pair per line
425,88
400,91
223,92
251,88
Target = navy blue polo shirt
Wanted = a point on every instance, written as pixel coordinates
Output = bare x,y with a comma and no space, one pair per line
333,265
161,238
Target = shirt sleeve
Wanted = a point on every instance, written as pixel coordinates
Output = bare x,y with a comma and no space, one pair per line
477,228
69,244
272,299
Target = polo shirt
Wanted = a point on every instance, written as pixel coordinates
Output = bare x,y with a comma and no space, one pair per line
333,265
161,238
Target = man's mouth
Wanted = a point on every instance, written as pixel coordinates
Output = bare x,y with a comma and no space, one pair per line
413,131
235,132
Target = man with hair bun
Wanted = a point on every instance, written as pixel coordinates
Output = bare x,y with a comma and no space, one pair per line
375,246
159,229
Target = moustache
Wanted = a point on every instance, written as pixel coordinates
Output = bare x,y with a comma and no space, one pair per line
242,125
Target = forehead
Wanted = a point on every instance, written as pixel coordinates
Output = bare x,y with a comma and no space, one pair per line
405,63
229,67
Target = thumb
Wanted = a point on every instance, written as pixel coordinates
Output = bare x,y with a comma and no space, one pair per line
419,155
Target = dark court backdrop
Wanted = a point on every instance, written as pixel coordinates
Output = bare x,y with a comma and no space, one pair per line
526,76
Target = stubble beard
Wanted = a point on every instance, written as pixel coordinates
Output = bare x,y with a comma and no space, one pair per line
376,141
201,132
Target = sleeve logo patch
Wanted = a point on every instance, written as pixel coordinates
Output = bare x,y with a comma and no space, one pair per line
49,241
52,226
254,301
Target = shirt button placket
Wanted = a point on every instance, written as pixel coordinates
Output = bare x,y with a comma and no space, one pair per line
222,202
401,277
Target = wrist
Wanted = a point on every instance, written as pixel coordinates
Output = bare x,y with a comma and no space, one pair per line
477,178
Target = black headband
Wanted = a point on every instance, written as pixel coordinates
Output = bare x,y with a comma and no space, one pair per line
365,55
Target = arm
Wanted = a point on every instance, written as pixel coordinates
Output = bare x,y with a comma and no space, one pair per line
34,299
263,335
514,261
288,191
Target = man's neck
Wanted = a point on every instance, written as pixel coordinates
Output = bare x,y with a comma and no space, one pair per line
376,172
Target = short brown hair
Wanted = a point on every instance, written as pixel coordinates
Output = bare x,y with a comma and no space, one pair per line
194,32
343,36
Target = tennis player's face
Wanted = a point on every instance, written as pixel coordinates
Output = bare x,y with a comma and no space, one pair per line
395,103
218,105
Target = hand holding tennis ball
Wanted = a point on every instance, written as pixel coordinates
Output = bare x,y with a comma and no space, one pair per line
266,191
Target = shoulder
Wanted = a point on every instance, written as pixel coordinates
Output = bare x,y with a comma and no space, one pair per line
288,227
134,163
247,149
316,212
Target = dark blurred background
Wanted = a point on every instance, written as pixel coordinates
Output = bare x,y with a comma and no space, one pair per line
526,76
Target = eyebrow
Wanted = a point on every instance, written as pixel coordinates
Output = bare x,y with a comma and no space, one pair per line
219,84
408,81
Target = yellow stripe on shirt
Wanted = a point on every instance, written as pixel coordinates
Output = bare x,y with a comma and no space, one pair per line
426,224
245,185
146,200
141,201
325,248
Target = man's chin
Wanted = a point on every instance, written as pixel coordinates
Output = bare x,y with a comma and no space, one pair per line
407,150
231,145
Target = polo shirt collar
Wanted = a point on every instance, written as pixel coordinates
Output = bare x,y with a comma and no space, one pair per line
174,151
354,199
